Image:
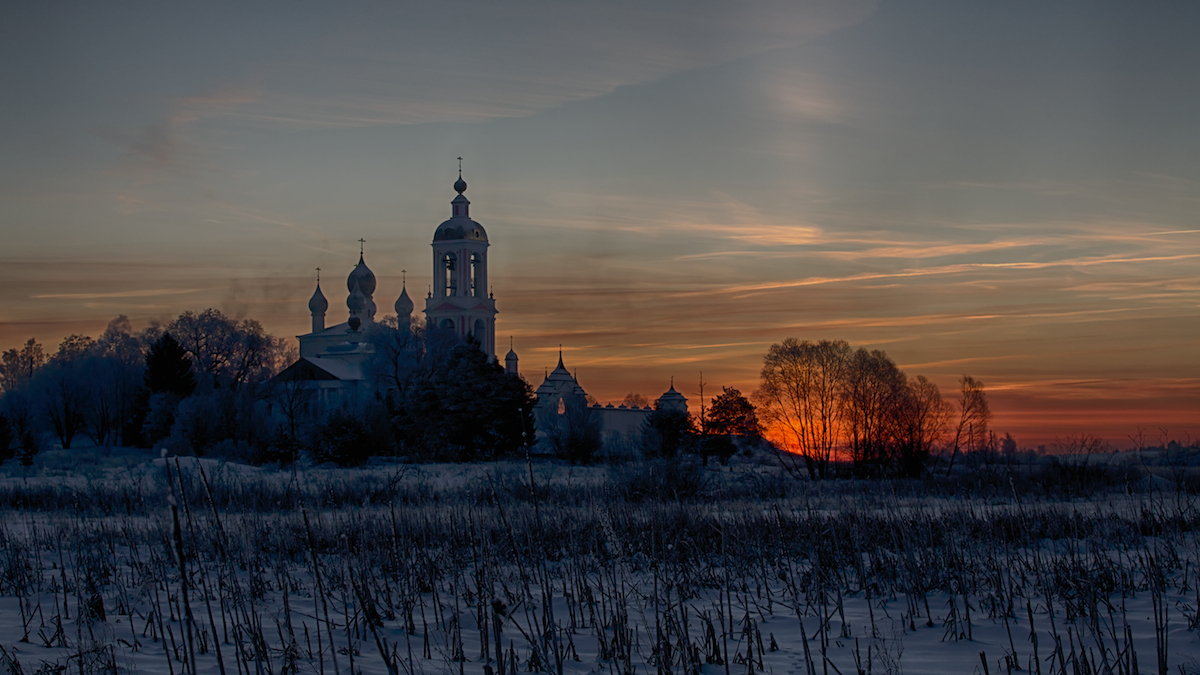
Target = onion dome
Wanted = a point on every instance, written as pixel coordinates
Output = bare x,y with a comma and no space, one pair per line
404,304
460,225
363,277
317,304
356,301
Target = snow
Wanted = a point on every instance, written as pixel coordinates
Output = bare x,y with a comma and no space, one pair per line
452,540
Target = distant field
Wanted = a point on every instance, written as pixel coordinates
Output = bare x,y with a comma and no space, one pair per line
646,568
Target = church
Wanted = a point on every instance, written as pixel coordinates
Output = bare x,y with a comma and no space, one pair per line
333,363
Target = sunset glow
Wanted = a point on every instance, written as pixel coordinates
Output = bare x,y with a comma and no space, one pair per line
1008,190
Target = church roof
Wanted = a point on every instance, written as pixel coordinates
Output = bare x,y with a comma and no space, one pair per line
340,329
460,227
558,380
310,369
340,370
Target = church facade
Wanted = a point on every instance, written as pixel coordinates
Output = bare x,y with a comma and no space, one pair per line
333,363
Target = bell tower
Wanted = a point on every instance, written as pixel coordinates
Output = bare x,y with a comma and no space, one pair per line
459,300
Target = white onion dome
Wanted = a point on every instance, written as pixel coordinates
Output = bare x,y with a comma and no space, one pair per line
356,301
404,304
363,277
460,225
317,304
510,356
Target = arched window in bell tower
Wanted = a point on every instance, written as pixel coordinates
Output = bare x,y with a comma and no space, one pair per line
476,275
450,263
480,331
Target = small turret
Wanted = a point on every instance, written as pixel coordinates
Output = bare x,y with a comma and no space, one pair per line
510,359
672,400
404,307
318,305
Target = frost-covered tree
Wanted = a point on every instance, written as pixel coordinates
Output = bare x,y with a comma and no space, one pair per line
224,351
64,388
17,366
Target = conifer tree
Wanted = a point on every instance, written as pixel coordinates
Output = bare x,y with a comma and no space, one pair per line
168,368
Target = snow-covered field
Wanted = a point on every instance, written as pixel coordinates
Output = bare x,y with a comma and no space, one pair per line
646,569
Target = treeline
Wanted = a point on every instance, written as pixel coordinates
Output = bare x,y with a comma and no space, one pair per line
824,401
207,384
197,375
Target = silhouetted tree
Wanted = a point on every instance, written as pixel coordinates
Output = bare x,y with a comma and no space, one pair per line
872,391
973,417
733,414
800,401
168,380
466,408
168,368
920,425
666,433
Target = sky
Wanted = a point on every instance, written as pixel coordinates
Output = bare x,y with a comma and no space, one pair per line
1005,190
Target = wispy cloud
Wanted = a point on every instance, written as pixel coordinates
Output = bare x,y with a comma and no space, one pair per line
961,268
146,293
412,65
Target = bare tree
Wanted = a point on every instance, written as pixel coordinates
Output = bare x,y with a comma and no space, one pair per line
872,395
921,424
635,400
973,417
799,401
398,355
291,390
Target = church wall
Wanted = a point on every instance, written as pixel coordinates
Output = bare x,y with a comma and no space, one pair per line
622,420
